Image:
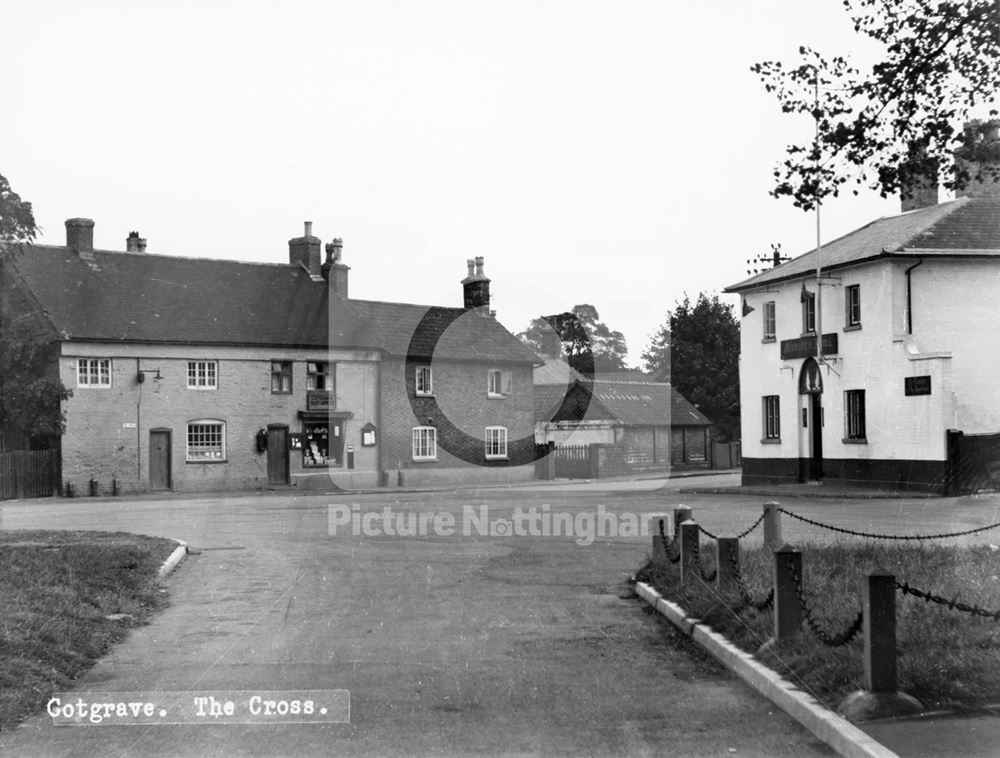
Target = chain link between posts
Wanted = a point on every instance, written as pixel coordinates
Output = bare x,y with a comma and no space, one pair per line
741,585
953,605
668,545
873,536
739,536
696,562
830,640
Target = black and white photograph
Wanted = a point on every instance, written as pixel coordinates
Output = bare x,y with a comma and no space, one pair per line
527,378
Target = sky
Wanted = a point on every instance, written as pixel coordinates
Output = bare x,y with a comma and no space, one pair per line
617,153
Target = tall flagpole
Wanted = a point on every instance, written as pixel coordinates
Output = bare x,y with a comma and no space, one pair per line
819,244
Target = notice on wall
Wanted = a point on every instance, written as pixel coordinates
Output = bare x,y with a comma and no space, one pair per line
917,385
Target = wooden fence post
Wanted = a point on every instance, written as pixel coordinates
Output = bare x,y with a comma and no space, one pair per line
689,549
659,552
772,526
681,514
881,699
729,561
787,610
878,598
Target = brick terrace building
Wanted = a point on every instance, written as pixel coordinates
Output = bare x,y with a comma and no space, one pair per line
194,374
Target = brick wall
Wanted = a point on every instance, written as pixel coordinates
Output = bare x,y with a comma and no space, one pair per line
460,410
108,429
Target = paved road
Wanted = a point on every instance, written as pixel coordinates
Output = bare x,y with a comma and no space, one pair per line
449,645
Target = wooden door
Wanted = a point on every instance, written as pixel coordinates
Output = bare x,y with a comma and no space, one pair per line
159,459
277,455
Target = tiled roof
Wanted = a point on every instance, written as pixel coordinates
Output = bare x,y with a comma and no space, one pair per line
422,331
966,226
142,297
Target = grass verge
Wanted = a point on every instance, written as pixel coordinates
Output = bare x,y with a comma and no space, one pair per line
945,658
67,597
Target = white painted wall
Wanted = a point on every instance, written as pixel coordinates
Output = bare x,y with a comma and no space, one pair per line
876,358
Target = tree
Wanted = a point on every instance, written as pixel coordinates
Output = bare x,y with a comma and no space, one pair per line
17,222
590,345
902,119
31,393
697,350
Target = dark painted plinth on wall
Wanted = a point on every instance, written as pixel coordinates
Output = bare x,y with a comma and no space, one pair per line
917,476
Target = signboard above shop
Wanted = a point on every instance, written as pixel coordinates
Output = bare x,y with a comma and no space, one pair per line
319,400
805,347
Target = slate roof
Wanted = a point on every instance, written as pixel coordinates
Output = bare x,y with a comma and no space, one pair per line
964,227
555,371
152,298
648,403
628,403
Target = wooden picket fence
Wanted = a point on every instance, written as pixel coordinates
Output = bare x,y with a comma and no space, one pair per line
29,473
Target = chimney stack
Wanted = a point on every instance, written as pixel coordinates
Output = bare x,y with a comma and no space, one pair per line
305,251
979,159
80,237
918,180
134,243
334,271
476,286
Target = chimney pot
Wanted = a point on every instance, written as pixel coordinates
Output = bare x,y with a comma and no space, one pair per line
309,229
134,243
335,272
476,286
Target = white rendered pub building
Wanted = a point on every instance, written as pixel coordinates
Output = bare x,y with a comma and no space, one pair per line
908,307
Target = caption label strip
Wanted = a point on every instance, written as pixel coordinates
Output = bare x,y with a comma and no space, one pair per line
228,707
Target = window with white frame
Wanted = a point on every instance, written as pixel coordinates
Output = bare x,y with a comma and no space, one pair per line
769,320
281,377
206,441
424,443
809,312
852,296
496,442
498,382
854,415
424,381
203,375
319,376
93,372
772,417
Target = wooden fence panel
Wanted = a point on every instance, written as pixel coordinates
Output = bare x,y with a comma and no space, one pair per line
29,473
573,461
975,464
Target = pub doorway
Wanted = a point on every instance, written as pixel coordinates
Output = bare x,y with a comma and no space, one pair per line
811,440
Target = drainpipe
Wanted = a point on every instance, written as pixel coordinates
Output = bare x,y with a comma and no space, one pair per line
909,297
